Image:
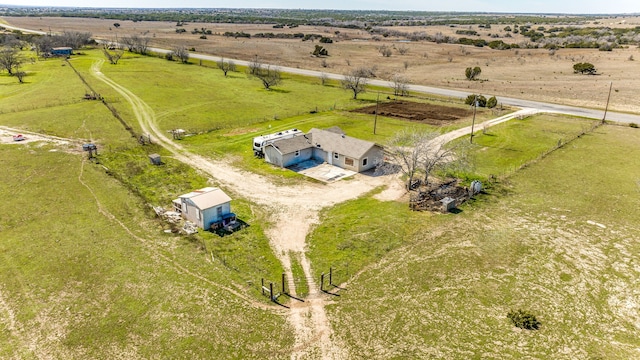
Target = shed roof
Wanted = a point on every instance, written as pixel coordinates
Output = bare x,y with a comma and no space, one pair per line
340,143
207,197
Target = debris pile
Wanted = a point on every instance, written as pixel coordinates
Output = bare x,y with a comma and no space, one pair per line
189,228
442,197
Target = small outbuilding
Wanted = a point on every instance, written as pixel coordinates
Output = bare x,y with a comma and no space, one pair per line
205,207
155,159
61,51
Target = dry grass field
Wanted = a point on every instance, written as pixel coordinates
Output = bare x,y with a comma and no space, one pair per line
533,74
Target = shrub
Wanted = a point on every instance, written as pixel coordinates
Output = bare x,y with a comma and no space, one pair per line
633,125
584,68
481,100
492,102
472,73
524,320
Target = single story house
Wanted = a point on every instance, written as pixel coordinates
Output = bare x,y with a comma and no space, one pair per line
330,145
61,51
204,207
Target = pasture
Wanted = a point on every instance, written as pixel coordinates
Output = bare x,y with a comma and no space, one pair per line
560,241
87,270
88,273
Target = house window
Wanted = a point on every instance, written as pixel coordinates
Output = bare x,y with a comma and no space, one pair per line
297,153
219,211
365,161
336,155
348,161
198,214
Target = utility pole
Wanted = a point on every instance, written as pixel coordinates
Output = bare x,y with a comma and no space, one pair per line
607,106
473,122
375,119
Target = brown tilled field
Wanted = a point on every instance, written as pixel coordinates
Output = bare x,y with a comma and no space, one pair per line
535,74
418,112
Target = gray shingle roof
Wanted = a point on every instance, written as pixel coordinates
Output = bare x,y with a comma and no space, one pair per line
330,140
345,145
287,146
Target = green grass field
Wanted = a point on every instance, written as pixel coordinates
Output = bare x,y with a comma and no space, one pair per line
89,274
446,295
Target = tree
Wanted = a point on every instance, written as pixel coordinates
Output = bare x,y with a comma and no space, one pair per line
472,73
439,155
112,55
479,100
116,25
400,87
226,66
269,75
403,153
137,44
320,51
385,51
415,153
181,53
584,68
324,78
10,59
19,74
254,65
492,102
356,81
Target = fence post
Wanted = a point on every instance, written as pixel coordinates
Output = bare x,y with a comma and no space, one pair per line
330,276
322,282
283,283
271,290
262,286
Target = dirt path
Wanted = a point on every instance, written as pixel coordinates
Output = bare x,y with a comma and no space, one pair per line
294,210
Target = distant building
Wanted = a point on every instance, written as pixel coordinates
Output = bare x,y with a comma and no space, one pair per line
61,51
330,145
205,207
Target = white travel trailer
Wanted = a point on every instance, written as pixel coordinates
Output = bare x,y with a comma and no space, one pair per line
259,142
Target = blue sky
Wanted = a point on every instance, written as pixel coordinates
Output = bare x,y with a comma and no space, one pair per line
533,6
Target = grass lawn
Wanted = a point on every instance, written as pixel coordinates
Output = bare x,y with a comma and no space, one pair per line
537,248
85,273
502,149
51,102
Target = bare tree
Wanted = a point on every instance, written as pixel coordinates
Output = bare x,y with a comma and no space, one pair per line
440,154
112,55
423,153
19,74
403,153
136,44
226,66
269,75
324,78
181,53
254,64
356,81
10,59
400,86
385,50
